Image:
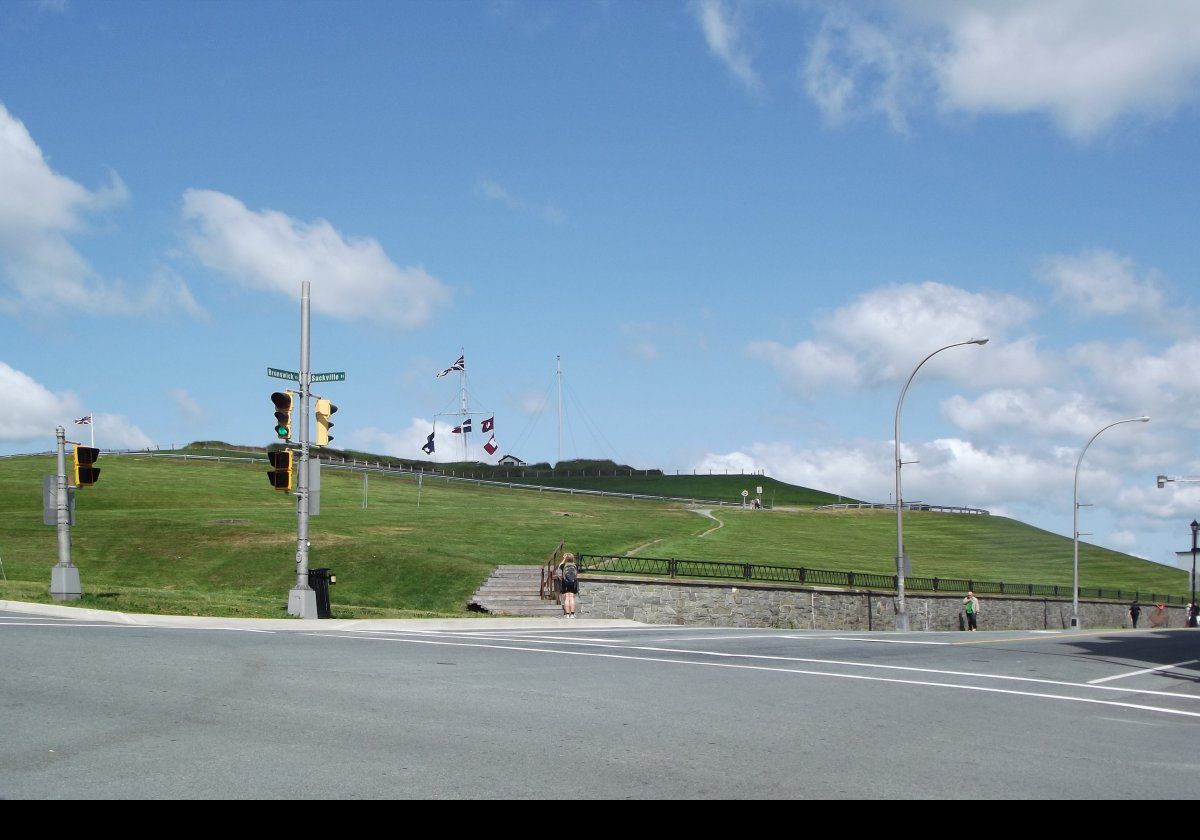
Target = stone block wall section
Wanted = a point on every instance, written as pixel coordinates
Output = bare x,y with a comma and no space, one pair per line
726,604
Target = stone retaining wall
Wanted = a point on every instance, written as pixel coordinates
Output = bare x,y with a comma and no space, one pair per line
659,601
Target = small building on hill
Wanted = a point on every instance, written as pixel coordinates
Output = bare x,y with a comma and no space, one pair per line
510,461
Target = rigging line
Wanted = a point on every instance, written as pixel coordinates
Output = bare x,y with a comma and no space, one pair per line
597,431
533,421
571,432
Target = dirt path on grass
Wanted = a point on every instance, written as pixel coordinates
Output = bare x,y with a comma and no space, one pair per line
708,512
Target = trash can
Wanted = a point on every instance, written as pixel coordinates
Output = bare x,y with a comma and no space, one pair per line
320,580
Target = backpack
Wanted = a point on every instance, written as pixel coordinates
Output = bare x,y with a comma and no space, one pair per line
570,575
969,606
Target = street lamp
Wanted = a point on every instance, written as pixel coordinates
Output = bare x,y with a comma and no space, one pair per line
1075,520
901,608
1192,607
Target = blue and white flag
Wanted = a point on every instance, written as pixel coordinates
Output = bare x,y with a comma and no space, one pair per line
428,447
84,421
465,428
461,364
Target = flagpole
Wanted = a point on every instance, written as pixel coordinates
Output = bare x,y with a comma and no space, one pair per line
558,360
462,384
92,429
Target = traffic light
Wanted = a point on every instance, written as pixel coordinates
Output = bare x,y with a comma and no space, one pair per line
86,474
324,409
281,474
283,414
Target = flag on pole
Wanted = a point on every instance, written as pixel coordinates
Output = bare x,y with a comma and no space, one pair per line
488,425
461,364
428,447
491,446
465,428
84,421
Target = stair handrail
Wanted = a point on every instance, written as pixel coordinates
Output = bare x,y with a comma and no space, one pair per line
549,587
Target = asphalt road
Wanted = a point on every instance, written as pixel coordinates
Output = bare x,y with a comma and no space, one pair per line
114,708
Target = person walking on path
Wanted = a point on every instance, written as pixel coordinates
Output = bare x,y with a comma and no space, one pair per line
971,608
568,583
1134,612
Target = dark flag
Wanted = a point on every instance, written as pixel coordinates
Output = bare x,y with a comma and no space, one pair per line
488,425
465,428
428,447
461,364
491,446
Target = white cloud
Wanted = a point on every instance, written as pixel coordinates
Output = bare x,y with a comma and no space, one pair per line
190,411
1086,64
1039,413
810,365
871,340
494,191
1101,282
40,210
855,67
1164,384
32,411
723,32
351,278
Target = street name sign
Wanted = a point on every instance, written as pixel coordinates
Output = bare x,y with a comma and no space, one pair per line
339,376
283,374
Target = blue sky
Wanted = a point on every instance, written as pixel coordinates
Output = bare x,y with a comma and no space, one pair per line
741,224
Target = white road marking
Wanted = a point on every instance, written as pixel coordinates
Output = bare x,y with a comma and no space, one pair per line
1143,671
798,671
878,641
71,624
614,645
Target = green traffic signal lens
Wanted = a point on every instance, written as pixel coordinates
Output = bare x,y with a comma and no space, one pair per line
282,431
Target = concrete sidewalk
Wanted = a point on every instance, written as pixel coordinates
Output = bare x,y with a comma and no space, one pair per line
410,624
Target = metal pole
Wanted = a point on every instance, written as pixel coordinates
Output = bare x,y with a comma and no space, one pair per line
558,375
1192,607
64,577
1075,518
901,605
302,601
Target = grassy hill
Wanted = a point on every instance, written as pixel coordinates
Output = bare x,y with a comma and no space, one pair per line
206,537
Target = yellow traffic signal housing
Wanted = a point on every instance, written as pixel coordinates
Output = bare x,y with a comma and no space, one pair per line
282,473
283,414
85,473
324,409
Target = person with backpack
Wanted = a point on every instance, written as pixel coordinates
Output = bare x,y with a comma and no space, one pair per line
568,583
971,608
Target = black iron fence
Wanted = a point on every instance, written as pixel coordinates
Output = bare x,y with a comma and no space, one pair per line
756,573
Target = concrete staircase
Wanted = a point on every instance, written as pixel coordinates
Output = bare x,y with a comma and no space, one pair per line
513,590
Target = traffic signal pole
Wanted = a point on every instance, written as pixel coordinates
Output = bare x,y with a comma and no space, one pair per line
64,577
302,600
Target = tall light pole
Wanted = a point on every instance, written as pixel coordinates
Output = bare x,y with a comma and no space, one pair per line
1075,520
901,607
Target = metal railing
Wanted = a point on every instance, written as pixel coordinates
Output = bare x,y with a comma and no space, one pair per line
549,584
919,506
799,575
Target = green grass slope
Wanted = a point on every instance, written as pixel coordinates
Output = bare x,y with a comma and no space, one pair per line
203,537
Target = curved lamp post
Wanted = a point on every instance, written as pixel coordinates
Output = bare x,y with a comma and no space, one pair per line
1192,603
1075,522
901,607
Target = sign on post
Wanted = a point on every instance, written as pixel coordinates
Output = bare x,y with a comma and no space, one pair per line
339,376
50,501
283,374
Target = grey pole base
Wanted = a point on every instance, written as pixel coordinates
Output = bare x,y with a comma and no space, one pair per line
902,621
64,583
302,603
